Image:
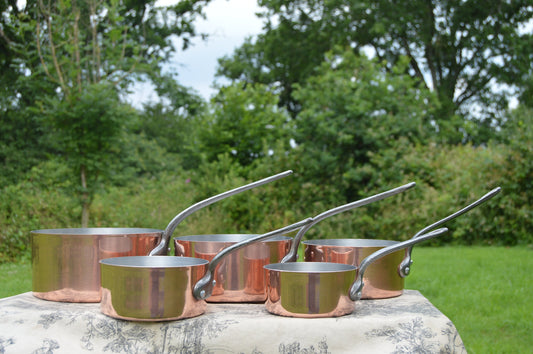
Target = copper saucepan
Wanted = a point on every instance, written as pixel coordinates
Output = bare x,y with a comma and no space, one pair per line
65,261
321,289
385,277
240,277
160,288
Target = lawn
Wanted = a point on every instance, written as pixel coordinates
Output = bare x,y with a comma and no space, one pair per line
485,291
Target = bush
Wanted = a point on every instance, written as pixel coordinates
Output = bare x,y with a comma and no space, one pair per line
449,178
35,203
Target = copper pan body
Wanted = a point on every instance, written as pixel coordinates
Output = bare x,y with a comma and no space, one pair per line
65,261
310,290
381,279
240,277
156,288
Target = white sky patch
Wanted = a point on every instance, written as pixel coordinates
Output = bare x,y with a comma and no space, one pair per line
228,23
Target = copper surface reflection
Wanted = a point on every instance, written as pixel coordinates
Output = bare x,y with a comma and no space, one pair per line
240,276
65,261
381,278
308,294
256,256
152,293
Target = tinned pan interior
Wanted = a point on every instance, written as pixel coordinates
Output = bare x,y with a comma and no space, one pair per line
381,278
151,288
65,261
240,276
310,290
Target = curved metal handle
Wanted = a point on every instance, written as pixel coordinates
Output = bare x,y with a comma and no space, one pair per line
357,286
162,247
204,287
292,254
405,266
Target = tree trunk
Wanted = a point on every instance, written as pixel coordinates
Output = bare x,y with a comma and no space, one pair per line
85,203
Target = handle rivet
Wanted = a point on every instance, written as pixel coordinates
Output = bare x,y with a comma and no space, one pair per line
202,294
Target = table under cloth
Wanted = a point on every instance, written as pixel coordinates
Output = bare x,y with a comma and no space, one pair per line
405,324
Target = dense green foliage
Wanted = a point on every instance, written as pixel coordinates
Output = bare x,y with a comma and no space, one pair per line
67,82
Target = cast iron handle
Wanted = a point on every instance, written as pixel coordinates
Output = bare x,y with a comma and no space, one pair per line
405,266
162,247
291,256
357,286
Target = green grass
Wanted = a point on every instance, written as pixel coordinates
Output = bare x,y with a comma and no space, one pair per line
485,291
15,278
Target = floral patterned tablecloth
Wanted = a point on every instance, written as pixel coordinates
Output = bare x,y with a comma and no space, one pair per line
406,324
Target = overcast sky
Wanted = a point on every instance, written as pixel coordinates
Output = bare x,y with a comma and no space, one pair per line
228,23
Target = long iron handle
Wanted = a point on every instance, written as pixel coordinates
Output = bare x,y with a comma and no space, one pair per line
357,286
162,247
292,254
405,266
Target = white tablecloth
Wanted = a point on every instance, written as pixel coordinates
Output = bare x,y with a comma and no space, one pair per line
406,324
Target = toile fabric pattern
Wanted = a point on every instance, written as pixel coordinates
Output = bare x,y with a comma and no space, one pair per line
405,324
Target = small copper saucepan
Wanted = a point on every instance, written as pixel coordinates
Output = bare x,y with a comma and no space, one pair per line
161,288
385,277
240,277
321,289
65,261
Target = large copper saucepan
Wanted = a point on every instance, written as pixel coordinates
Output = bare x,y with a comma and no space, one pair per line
161,288
65,261
385,277
240,277
321,289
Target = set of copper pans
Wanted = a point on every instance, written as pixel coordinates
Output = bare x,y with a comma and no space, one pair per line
129,272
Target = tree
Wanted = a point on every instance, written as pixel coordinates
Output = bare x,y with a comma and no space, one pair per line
173,120
352,108
84,55
244,124
461,50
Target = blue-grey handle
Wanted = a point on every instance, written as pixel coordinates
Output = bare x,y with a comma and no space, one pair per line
292,254
405,266
357,286
162,247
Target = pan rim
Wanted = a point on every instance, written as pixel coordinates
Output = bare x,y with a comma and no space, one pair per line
96,231
228,238
310,267
153,262
350,242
